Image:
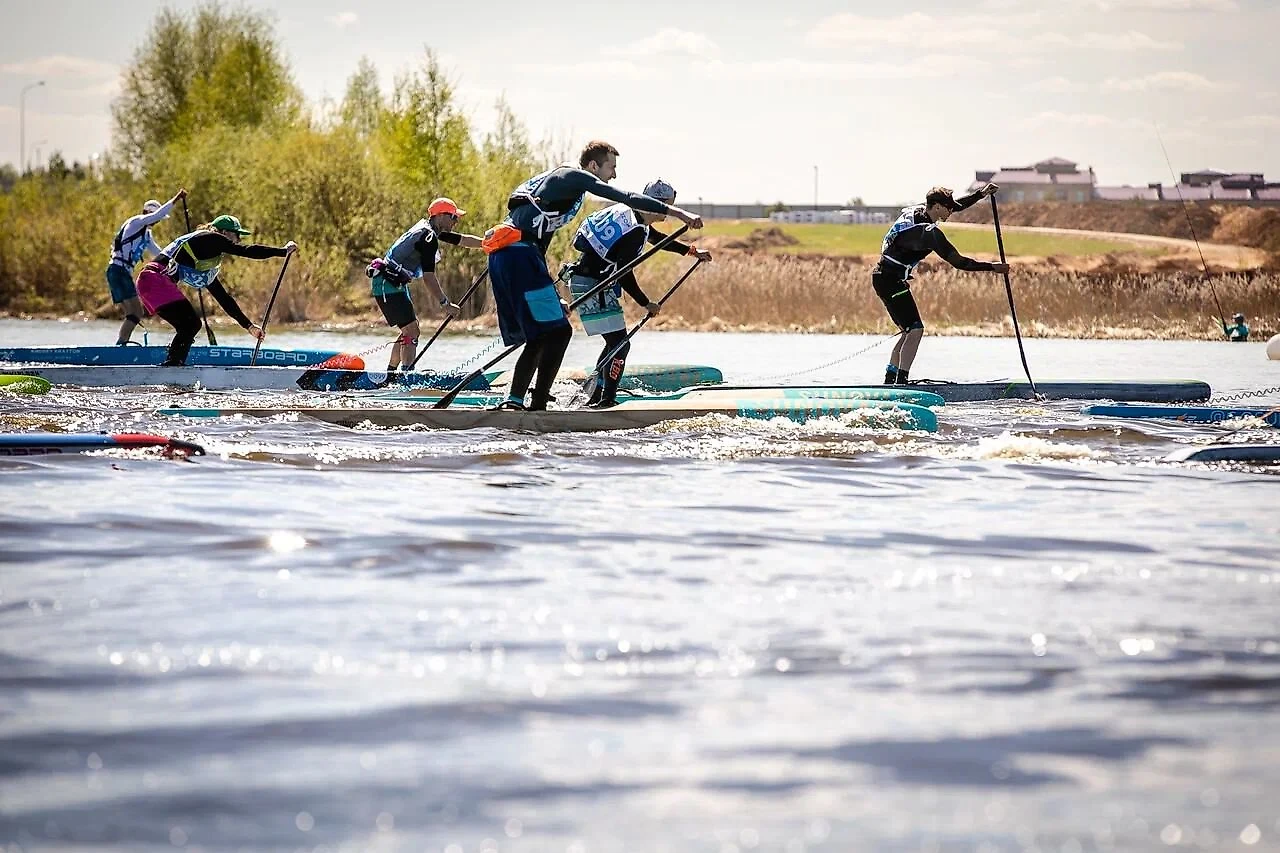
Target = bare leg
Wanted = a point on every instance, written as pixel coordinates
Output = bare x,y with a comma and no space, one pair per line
132,309
408,345
906,349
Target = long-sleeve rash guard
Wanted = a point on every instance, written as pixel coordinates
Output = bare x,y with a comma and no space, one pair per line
621,253
914,236
546,203
134,237
208,245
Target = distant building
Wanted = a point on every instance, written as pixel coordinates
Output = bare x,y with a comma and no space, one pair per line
1057,179
1054,179
842,217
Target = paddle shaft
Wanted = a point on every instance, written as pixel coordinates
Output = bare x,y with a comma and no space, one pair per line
1008,289
470,290
589,386
1204,265
443,402
647,317
266,315
213,340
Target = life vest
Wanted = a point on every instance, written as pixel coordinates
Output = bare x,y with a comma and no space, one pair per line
184,266
905,222
547,221
603,229
399,258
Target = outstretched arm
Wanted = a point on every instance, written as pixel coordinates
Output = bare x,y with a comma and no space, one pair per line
967,201
466,241
946,251
228,303
656,237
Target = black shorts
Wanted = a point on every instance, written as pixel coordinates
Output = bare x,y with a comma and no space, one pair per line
397,308
896,296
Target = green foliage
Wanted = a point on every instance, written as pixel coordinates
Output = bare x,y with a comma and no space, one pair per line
208,104
214,66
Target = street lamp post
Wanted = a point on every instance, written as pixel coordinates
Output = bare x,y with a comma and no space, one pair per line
22,125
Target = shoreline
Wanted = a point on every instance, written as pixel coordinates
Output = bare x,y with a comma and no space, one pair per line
487,325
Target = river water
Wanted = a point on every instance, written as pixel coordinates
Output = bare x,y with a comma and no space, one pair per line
1024,633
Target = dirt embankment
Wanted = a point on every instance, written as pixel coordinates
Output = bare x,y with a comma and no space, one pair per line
1240,225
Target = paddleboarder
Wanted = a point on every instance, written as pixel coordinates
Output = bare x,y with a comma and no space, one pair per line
530,311
913,237
609,239
195,260
1237,332
132,240
415,255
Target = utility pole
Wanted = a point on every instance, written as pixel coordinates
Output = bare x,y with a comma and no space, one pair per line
22,126
815,191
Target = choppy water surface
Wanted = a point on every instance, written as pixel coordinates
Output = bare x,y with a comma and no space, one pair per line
1026,632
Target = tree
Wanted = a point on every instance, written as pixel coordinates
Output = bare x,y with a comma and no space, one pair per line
424,134
362,105
213,66
856,201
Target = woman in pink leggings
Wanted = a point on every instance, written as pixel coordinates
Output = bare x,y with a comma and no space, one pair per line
195,260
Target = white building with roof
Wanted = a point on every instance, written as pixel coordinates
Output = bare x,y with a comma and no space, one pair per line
1055,179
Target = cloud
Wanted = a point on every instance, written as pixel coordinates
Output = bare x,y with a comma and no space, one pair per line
1165,5
1131,40
1179,81
1007,33
1252,122
1121,5
60,66
342,20
604,68
671,41
1055,86
1053,118
804,69
916,30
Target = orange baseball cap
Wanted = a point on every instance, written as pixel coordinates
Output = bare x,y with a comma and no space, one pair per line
444,205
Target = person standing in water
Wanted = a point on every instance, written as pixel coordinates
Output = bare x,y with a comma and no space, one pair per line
1237,332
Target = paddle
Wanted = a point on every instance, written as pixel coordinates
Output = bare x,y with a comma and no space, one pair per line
266,315
1262,417
588,387
1204,265
1008,289
213,341
443,402
470,290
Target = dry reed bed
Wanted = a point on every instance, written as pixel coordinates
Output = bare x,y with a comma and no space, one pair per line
831,294
742,291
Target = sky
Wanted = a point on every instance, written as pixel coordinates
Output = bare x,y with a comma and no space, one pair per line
748,101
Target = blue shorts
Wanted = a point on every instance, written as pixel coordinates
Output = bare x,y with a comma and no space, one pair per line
524,294
120,281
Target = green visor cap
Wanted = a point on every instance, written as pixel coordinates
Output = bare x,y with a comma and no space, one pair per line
230,223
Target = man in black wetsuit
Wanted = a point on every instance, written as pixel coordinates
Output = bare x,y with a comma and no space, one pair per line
912,238
524,293
608,239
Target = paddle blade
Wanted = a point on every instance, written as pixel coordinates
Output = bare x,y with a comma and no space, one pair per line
341,361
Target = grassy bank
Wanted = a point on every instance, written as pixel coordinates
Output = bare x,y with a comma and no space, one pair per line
835,240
